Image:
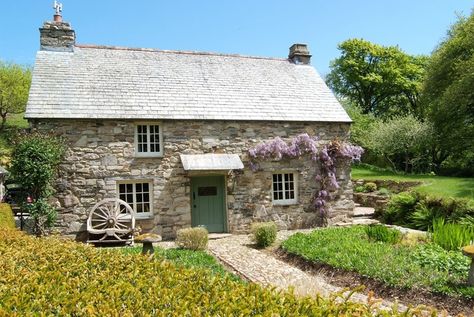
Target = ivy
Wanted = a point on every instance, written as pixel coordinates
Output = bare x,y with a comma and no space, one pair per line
325,156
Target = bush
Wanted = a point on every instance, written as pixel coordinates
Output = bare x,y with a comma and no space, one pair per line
192,238
264,233
54,277
359,189
384,192
399,207
43,215
6,217
417,210
383,234
452,236
370,187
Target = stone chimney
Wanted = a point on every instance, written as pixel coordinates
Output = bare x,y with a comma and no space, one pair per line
57,35
299,54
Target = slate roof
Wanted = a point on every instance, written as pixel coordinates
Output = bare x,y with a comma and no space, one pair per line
118,83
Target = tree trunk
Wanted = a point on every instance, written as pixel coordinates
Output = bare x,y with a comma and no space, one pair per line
4,121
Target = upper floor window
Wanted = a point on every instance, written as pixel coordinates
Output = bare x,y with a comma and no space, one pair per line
284,189
148,140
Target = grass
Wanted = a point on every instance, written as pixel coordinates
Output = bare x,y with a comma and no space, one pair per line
457,187
421,266
186,258
17,120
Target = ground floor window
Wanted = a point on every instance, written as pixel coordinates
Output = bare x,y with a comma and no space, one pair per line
138,196
284,191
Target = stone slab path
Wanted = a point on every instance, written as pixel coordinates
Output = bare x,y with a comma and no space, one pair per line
257,266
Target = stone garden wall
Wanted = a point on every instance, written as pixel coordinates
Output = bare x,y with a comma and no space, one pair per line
101,152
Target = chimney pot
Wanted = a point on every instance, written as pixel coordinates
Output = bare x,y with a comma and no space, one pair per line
58,18
299,54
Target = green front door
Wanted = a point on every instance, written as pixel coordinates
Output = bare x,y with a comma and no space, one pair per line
208,203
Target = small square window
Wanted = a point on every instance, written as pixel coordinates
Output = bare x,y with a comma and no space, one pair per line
148,140
137,195
284,189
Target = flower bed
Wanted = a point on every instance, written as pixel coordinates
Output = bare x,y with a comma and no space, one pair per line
418,266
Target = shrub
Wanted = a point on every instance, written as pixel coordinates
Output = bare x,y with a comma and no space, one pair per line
452,236
359,189
192,238
35,160
42,214
53,277
264,233
383,234
6,217
383,191
399,207
370,187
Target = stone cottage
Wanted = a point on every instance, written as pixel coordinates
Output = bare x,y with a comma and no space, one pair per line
169,133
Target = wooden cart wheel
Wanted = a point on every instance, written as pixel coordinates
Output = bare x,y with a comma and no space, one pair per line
110,220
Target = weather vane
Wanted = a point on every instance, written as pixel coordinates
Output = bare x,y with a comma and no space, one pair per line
58,7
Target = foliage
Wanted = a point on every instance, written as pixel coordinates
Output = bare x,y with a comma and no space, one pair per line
6,216
380,80
185,258
43,215
383,234
54,277
384,191
15,83
370,187
326,154
441,186
417,210
405,142
452,236
399,207
362,126
359,189
448,93
350,250
264,233
35,161
192,238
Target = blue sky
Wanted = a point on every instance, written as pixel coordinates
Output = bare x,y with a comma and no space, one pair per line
249,27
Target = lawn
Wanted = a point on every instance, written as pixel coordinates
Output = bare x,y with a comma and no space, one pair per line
456,187
415,266
186,258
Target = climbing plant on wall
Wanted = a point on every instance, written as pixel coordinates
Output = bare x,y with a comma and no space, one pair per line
328,154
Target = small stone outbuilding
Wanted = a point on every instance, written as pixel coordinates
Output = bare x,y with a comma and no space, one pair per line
169,133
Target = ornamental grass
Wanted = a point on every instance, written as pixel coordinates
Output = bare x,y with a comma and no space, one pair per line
53,277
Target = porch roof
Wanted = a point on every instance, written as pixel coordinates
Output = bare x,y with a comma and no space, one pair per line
211,162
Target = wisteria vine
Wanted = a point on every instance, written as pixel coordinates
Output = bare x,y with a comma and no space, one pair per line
327,154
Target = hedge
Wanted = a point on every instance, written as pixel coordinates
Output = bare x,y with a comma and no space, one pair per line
6,216
50,276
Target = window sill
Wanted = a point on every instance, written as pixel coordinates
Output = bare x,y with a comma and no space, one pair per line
148,155
144,217
285,203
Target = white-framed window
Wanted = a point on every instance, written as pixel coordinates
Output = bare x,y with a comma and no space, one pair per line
138,194
148,140
284,188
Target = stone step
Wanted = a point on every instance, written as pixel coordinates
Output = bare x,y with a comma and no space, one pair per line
215,236
364,221
363,212
356,205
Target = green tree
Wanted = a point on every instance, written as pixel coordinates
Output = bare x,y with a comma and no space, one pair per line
381,80
15,83
405,142
448,93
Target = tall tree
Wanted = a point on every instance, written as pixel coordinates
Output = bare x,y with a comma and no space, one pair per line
381,80
15,83
448,92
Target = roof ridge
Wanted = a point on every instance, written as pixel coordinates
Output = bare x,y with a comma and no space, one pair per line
123,48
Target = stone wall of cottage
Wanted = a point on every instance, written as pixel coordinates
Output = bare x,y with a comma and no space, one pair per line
101,152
